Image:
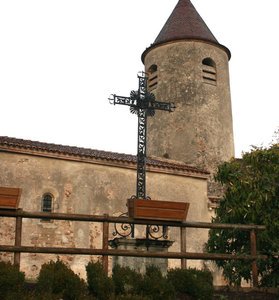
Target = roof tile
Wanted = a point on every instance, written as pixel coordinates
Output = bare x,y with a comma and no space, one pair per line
185,23
14,143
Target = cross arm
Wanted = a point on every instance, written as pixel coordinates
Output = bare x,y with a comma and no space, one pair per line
114,99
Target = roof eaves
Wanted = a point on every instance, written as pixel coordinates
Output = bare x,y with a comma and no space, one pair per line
55,150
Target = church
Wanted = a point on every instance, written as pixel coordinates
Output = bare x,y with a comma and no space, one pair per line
185,65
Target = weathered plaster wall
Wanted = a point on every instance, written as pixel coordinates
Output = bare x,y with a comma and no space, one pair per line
88,188
199,132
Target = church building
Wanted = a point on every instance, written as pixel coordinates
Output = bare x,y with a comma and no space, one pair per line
185,65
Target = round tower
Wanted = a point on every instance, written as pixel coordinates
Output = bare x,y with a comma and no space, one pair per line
187,66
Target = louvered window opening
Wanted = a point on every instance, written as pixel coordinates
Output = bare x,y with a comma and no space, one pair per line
209,73
152,78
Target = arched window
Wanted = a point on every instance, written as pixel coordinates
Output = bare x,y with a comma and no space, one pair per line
209,73
152,77
47,203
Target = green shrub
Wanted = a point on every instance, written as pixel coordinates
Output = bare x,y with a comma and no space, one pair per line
196,283
100,285
56,281
155,285
126,280
11,281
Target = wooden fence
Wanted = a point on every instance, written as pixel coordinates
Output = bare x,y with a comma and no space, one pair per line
105,251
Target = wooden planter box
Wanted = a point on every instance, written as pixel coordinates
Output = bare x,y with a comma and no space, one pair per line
157,210
9,197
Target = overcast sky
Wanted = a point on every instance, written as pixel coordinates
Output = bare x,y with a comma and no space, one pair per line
61,59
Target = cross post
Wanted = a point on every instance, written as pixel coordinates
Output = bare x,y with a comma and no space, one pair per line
143,103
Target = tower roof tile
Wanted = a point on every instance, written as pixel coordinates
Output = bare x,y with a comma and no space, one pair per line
185,23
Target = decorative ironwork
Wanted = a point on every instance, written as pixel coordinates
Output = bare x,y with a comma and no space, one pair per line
153,232
143,104
124,229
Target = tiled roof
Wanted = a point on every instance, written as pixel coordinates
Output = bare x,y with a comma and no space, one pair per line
21,145
185,23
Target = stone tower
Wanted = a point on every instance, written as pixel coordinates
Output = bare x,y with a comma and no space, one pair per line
187,66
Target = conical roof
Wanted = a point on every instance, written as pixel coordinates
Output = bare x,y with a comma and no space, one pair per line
185,23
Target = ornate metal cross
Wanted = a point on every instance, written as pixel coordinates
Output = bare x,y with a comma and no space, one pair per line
144,104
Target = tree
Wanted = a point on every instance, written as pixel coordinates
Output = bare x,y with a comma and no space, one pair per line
251,197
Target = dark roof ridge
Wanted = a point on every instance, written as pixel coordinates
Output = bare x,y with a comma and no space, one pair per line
9,142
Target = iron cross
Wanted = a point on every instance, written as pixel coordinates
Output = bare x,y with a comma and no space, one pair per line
144,104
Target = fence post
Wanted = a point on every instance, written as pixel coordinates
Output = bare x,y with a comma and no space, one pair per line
254,252
105,243
18,233
183,246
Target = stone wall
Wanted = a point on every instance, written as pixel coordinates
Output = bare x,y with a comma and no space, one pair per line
199,132
90,187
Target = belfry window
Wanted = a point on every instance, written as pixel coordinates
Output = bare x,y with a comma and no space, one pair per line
209,74
152,77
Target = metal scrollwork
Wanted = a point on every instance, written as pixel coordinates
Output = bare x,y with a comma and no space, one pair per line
123,229
156,232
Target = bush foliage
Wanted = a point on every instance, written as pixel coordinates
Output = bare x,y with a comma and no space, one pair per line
11,281
196,283
156,286
57,281
251,197
100,285
126,281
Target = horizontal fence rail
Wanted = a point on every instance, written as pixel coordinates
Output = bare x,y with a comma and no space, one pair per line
106,218
111,252
105,252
